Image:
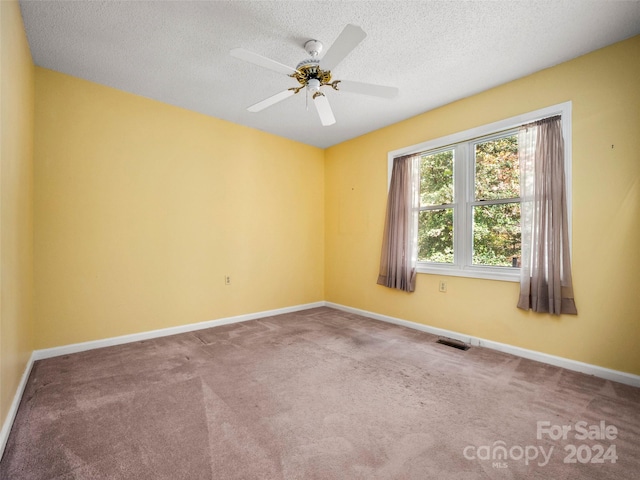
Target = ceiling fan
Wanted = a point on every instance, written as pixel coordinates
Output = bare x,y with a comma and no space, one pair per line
314,73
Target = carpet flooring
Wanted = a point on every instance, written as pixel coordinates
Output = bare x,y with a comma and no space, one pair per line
317,394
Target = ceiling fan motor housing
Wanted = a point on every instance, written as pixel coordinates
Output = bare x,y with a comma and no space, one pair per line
310,70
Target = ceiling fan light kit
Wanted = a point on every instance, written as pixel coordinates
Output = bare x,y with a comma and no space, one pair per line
314,73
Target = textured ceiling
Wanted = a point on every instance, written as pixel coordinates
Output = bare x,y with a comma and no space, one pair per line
435,52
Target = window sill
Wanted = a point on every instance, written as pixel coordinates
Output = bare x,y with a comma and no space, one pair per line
505,274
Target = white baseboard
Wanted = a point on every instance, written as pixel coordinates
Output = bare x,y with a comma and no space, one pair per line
164,332
589,369
13,408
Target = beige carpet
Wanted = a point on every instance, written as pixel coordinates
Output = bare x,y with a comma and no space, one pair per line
317,394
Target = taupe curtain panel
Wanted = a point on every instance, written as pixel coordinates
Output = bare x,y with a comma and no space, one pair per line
399,248
545,282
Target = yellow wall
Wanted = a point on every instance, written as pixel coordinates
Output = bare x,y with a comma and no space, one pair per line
605,90
16,205
141,209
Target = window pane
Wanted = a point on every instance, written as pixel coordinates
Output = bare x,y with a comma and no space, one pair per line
497,169
436,179
496,235
435,236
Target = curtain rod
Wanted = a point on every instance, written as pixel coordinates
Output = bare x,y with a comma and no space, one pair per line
498,132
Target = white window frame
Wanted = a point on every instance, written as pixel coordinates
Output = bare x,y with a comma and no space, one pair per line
464,181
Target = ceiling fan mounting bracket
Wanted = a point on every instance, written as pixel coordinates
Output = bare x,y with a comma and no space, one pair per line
313,47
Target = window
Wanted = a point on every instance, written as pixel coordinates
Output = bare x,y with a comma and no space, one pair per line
490,203
469,199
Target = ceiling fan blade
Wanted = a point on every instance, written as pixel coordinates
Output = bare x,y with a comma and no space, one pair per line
261,61
324,109
349,39
267,102
367,89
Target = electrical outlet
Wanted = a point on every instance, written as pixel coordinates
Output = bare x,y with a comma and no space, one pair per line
227,280
442,287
